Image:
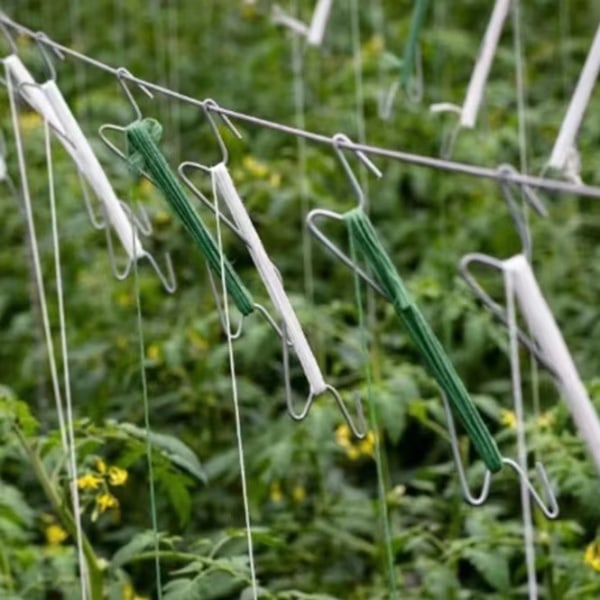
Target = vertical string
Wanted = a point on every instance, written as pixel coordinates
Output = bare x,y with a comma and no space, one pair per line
146,404
72,455
515,368
234,392
173,74
300,122
361,129
520,430
37,268
379,458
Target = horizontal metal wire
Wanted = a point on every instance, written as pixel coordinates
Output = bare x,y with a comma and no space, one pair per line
542,183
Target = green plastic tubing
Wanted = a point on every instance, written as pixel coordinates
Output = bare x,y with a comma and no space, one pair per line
365,241
143,137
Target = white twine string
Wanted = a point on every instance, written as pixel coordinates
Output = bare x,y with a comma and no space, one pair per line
65,427
520,430
72,462
271,280
546,333
234,391
565,142
314,32
474,96
78,146
30,92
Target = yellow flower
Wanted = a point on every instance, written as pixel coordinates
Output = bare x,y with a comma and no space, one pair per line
299,493
508,419
162,218
275,492
275,180
592,555
106,501
55,535
342,436
355,450
154,352
117,476
146,187
367,445
353,453
546,420
89,482
373,47
254,167
101,466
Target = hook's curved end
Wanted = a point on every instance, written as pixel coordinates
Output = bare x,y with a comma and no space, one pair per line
359,432
7,35
168,281
335,250
141,219
485,488
505,171
208,106
194,189
221,313
102,133
548,507
122,75
43,42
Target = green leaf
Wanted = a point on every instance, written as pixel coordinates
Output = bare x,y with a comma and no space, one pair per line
491,565
171,447
139,543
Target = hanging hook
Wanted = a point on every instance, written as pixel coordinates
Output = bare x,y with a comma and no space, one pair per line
194,189
209,105
505,171
549,507
168,280
123,74
340,141
9,38
497,311
41,40
359,432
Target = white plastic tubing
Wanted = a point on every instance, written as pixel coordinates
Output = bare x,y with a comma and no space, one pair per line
270,277
546,333
49,103
481,71
565,142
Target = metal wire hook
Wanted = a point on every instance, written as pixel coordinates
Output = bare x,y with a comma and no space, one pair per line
548,507
41,42
339,141
190,184
300,416
168,281
122,74
209,104
7,36
497,311
311,219
516,211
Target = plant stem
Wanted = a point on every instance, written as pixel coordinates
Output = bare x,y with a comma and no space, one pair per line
95,574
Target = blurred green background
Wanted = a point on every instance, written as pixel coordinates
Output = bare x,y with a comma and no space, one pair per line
313,492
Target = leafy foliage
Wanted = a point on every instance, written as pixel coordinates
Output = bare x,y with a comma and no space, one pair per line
313,501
